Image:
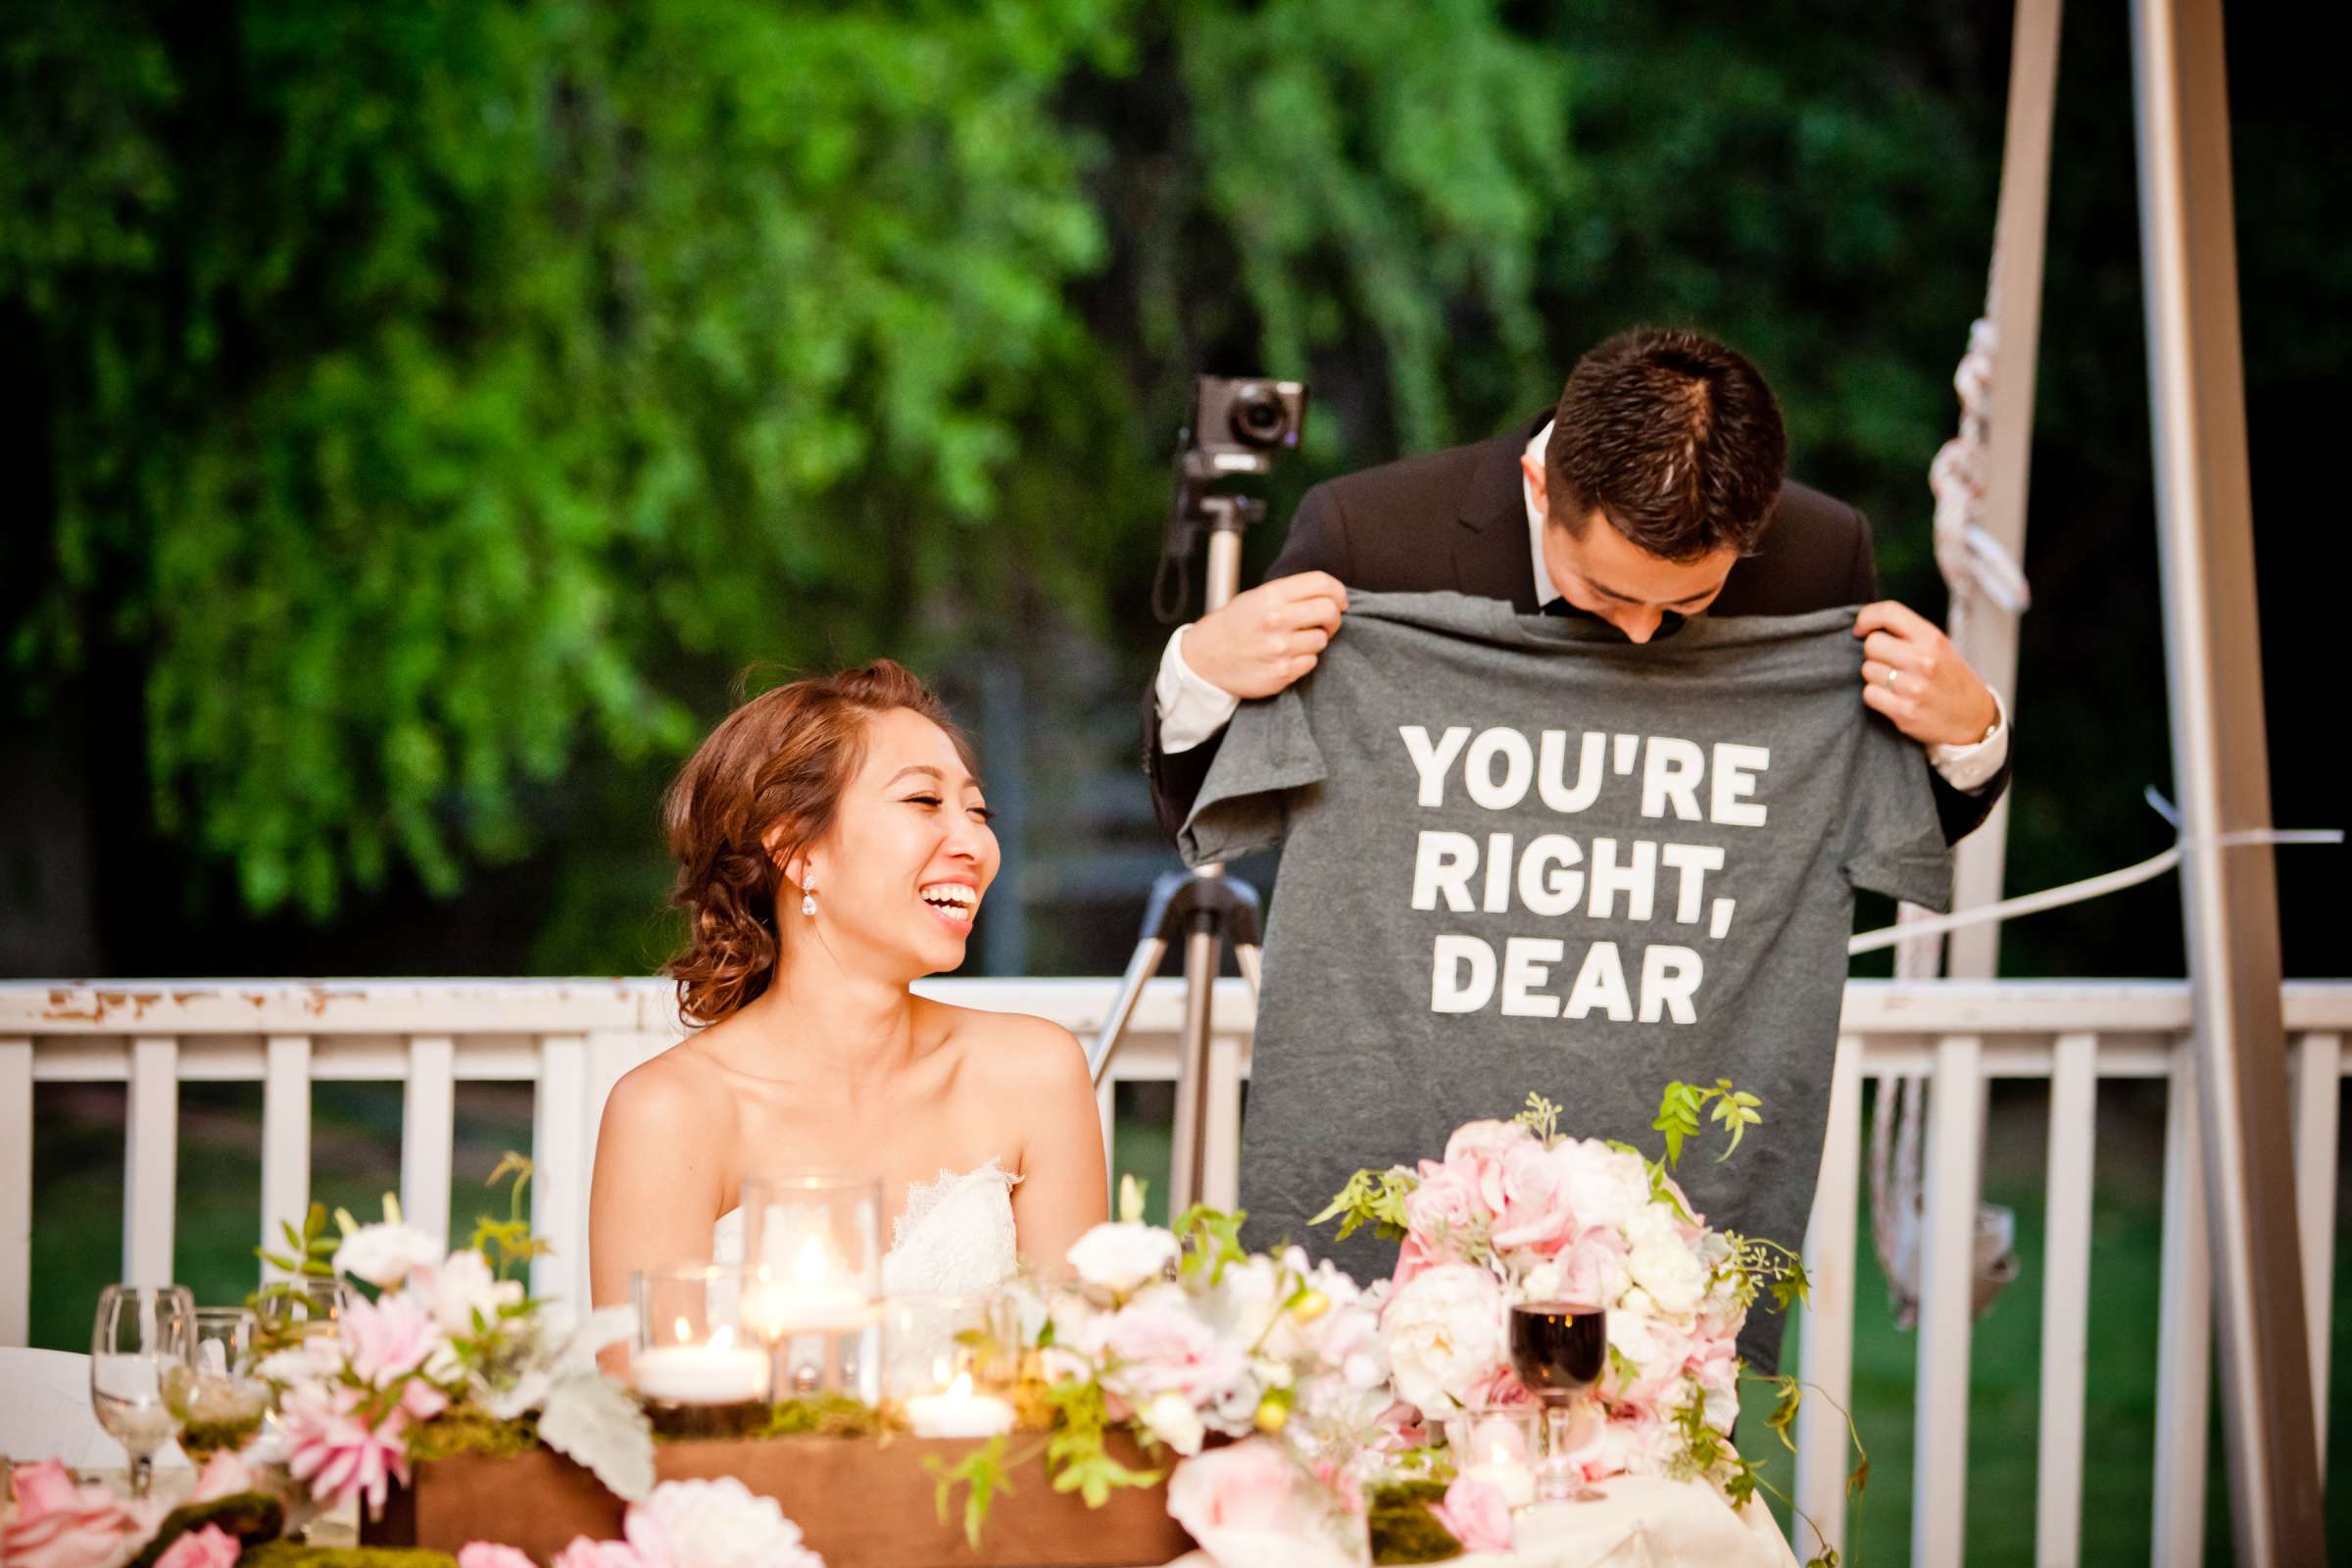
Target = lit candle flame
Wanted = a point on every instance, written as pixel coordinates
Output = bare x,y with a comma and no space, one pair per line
962,1388
685,1332
812,1266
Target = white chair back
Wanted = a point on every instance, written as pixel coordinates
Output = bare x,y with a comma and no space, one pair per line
45,1414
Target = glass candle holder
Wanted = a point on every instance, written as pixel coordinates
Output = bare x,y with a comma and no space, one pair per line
948,1363
1501,1444
813,1254
221,1399
697,1365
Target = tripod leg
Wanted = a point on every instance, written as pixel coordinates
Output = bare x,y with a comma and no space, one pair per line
1201,948
1140,968
1245,954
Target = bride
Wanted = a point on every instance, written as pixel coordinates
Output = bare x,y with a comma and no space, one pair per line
832,848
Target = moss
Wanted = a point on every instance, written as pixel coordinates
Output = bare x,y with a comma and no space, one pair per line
828,1415
250,1516
1404,1529
468,1430
293,1555
201,1439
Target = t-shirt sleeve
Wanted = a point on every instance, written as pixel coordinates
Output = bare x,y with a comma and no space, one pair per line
1895,840
1269,754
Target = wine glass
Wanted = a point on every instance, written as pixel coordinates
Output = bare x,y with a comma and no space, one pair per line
142,1346
1558,1350
220,1401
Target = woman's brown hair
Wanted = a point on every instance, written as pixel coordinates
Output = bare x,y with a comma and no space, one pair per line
766,784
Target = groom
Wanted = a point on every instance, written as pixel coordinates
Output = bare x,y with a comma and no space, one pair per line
1653,491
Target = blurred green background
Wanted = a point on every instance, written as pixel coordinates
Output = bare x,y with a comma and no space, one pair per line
420,415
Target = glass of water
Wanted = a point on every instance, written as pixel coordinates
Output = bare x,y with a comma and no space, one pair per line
221,1401
142,1352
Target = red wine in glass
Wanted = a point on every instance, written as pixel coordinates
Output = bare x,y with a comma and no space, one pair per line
1560,1349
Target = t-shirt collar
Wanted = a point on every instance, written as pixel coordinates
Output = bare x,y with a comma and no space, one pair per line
1546,593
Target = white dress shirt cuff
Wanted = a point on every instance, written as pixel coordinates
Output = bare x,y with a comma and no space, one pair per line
1190,710
1966,768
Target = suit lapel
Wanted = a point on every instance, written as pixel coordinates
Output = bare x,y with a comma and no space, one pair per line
1490,542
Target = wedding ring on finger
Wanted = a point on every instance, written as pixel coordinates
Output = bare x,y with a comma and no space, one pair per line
1891,672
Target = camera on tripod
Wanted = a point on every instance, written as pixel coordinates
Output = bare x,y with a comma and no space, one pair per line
1239,422
1239,426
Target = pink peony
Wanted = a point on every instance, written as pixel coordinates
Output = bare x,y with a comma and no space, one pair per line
209,1548
385,1339
1445,1208
332,1448
1477,1514
1476,1153
1502,1392
61,1525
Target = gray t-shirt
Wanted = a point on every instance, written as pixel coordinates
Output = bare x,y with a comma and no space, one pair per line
1522,853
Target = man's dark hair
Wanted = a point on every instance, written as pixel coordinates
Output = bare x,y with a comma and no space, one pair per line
1674,437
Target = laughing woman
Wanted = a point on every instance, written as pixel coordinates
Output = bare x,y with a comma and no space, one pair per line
833,848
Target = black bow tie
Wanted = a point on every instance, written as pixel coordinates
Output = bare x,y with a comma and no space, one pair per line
1669,624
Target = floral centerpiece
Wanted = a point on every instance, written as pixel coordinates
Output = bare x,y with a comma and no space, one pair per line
1515,1211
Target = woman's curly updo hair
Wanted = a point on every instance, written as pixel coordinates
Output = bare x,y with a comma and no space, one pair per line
766,784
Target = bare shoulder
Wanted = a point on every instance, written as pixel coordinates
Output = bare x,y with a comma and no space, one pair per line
1016,1052
677,1093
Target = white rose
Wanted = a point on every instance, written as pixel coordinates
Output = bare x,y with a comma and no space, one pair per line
1663,1264
1443,1333
1117,1256
717,1524
462,1287
1171,1418
385,1254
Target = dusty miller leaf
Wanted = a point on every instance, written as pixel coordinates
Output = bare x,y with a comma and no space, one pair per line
596,1422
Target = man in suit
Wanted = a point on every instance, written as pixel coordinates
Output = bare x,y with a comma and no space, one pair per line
1652,492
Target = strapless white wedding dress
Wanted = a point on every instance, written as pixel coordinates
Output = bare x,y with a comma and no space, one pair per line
954,1238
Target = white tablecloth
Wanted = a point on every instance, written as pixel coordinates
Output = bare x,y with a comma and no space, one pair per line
1643,1523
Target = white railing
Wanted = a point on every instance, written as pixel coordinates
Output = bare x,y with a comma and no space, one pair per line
573,1039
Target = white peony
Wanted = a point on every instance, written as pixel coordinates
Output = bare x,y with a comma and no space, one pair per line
1661,1262
1117,1256
1171,1418
1444,1335
1608,1186
716,1524
385,1254
462,1287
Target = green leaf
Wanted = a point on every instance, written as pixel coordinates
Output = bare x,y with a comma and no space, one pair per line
983,1473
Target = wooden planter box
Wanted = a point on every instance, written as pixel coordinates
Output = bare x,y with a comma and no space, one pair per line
860,1503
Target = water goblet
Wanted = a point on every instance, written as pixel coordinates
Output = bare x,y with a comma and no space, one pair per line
1560,1349
142,1344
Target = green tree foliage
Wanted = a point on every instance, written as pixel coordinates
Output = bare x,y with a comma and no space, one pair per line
427,381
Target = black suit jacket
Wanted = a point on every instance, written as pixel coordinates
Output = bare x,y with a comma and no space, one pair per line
1458,520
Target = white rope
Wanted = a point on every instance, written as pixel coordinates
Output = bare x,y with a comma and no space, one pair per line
2088,887
1973,563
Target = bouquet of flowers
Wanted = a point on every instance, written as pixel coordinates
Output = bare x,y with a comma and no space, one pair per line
1184,1337
1515,1211
439,1341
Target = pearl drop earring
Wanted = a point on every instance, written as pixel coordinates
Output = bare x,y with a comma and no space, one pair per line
808,902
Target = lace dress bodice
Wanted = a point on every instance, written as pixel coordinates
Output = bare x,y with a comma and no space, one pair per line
955,1237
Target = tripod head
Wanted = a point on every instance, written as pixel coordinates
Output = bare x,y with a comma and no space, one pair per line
1238,428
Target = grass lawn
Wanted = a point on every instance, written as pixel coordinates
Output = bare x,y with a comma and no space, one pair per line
78,1160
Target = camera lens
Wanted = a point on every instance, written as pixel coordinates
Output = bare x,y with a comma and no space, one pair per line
1258,417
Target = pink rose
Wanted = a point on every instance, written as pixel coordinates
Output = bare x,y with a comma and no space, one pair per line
226,1475
1477,1151
209,1548
385,1339
1243,1506
1502,1392
586,1554
489,1554
1446,1207
1476,1513
1164,1348
1538,1211
40,1488
61,1525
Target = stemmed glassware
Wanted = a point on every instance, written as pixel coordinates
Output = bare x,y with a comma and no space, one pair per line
1560,1349
142,1346
221,1399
